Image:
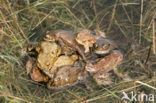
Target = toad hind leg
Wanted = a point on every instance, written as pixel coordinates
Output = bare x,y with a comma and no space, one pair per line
81,51
121,75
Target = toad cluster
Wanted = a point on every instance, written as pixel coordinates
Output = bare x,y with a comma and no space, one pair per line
64,58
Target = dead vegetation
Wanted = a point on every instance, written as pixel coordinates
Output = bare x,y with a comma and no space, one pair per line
130,23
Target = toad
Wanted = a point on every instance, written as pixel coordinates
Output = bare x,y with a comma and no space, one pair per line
67,76
64,60
48,54
31,49
37,75
34,71
103,46
85,38
67,38
105,65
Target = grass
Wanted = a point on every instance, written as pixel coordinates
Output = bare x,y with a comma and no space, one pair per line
131,24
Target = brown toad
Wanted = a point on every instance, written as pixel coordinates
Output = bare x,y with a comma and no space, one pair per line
85,38
66,38
106,63
67,76
34,71
48,54
64,60
100,68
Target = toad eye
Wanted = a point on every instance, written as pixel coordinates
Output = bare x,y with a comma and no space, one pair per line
95,45
47,36
106,46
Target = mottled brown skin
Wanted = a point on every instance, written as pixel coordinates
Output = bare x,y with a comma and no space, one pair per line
106,63
67,76
37,76
66,50
102,78
48,54
66,37
29,64
34,71
99,69
85,38
46,61
63,61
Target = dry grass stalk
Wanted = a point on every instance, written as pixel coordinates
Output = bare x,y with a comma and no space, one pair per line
145,84
153,37
113,14
25,19
141,17
10,96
